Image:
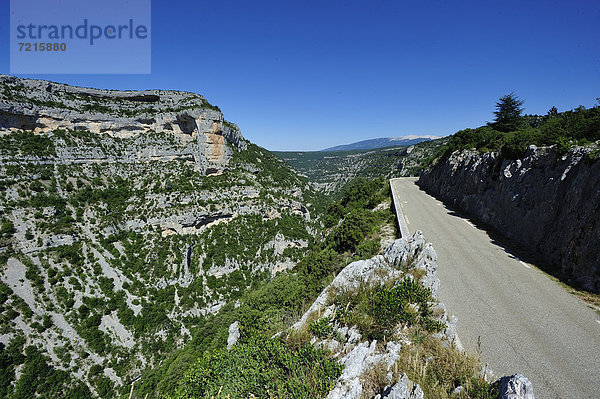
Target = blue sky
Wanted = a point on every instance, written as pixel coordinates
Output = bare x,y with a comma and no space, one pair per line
304,74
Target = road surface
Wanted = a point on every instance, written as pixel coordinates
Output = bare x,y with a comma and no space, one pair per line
527,323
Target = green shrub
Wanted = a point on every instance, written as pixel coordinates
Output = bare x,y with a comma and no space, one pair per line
353,229
363,193
367,249
263,368
37,186
335,212
321,328
377,311
315,269
7,228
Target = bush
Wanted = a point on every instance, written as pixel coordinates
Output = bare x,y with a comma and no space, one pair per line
335,212
367,249
353,229
377,311
7,228
362,193
264,368
315,268
321,328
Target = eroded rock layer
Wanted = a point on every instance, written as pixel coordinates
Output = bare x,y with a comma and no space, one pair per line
199,127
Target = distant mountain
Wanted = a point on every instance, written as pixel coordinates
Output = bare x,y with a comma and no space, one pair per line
381,143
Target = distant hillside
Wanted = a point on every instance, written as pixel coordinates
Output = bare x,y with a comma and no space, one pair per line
382,142
331,171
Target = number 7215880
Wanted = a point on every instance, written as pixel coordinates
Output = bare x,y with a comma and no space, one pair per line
42,46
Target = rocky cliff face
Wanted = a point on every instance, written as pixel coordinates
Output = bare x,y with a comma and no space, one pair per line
126,218
546,201
199,128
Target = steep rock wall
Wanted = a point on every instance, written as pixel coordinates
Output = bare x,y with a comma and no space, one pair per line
41,107
547,202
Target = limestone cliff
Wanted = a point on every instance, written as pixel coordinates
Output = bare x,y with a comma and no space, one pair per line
545,201
199,127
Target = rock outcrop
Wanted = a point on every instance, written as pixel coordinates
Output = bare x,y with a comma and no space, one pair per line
359,356
234,334
546,201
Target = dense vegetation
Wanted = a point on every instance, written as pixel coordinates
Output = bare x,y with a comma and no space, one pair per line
512,134
38,378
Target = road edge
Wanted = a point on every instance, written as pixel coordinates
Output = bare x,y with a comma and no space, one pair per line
404,233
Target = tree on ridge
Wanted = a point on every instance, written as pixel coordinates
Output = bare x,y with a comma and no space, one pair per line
508,113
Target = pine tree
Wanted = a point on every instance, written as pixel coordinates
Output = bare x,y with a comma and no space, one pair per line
508,113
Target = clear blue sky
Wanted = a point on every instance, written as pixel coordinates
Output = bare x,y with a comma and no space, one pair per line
308,74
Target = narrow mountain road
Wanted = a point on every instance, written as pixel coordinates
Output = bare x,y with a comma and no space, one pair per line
526,322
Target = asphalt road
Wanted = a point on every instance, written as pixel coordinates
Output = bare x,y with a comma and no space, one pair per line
527,323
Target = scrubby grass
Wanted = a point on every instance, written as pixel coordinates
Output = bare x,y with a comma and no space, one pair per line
378,311
439,369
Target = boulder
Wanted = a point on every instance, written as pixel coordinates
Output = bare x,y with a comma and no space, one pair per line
515,387
234,334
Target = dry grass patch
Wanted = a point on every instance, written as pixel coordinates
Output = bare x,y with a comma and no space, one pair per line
439,369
